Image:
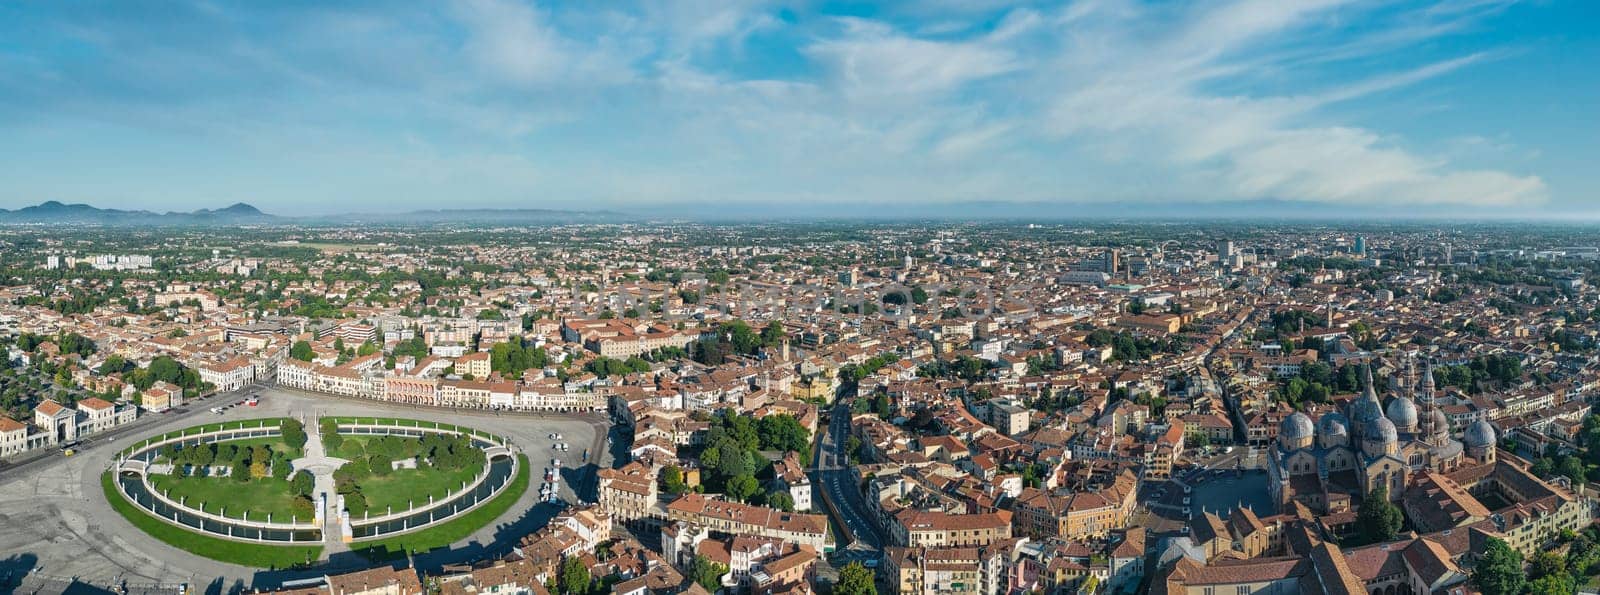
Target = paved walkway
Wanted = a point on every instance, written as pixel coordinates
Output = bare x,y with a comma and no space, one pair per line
321,466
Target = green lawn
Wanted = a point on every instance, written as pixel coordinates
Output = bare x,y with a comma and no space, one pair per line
412,487
403,488
232,552
453,530
350,449
230,498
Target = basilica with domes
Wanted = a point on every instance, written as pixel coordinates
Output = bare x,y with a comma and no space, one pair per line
1343,455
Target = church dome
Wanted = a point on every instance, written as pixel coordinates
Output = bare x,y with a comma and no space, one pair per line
1295,427
1441,424
1332,423
1333,430
1478,435
1366,409
1403,413
1382,430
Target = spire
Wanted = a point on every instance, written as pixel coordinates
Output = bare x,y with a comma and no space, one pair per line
1366,377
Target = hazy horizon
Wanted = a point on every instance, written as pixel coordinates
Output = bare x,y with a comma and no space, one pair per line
1473,109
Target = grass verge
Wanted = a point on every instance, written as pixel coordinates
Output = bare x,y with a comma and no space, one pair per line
232,552
453,530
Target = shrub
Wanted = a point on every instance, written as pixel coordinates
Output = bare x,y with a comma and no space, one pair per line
380,464
302,484
303,505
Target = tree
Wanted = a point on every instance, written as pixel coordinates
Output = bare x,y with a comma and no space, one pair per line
302,351
202,455
1499,569
1545,564
163,369
356,503
1543,467
742,487
773,334
281,466
1582,555
672,480
331,440
1378,520
1572,467
381,464
302,484
707,573
303,507
783,432
855,579
113,364
294,433
781,501
574,577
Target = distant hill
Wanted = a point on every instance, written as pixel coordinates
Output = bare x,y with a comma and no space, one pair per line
55,212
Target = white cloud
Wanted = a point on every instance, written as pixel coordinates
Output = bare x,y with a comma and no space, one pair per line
517,42
872,60
1121,91
995,100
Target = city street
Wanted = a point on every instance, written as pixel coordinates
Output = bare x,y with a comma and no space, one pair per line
837,485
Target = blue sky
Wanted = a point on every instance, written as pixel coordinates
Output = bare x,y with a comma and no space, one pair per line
315,107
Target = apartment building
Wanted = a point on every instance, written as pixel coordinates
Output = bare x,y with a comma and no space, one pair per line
735,518
623,338
918,528
161,396
475,364
230,375
934,571
628,493
13,437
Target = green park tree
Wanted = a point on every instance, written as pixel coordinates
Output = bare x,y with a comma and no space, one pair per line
855,579
707,573
301,350
1499,569
1378,520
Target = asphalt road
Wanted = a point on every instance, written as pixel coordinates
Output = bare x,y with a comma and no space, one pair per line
20,464
838,485
58,527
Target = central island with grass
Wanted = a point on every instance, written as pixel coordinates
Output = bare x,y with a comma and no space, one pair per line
277,493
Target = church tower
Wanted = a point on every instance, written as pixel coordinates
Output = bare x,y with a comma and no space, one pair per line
1431,423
